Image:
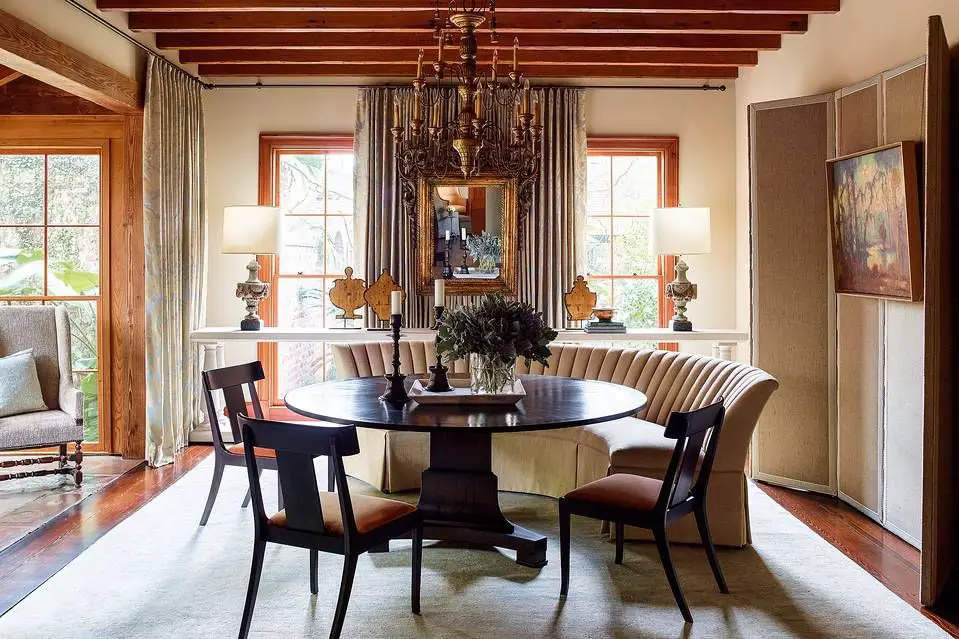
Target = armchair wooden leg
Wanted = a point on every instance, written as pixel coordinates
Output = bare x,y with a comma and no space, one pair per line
259,549
330,476
279,493
564,547
663,546
78,464
620,534
346,586
314,571
417,568
214,488
707,539
64,459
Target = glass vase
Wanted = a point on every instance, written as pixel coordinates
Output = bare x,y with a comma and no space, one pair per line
489,378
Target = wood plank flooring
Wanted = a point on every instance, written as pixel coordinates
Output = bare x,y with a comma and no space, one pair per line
34,559
879,552
28,563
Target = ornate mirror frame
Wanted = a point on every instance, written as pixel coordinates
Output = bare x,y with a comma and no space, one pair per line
426,225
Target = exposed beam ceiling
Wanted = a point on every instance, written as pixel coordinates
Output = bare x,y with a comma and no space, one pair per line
26,49
8,75
690,39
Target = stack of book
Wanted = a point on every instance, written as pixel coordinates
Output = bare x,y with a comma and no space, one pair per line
605,327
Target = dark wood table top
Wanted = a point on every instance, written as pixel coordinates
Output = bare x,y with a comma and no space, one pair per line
550,402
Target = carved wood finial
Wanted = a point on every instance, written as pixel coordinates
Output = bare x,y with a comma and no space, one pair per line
347,295
378,295
580,301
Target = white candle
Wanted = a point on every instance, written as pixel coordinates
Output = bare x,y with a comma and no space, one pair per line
463,233
396,303
447,235
439,293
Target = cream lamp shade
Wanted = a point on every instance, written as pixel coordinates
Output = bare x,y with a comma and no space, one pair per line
680,231
455,197
252,230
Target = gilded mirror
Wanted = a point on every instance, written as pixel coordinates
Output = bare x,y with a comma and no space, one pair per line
467,235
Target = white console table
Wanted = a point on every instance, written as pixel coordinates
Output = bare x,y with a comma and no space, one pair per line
213,339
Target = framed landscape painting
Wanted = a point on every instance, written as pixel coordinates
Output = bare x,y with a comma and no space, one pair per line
874,219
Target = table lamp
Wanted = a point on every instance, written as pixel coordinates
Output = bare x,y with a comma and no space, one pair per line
680,231
252,230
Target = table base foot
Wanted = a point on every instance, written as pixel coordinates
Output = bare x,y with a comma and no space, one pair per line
530,546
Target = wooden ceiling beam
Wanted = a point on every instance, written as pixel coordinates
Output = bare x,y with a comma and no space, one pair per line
8,75
530,58
419,21
26,49
414,41
502,6
407,70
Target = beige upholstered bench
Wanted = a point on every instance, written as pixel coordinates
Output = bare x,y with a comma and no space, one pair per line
555,462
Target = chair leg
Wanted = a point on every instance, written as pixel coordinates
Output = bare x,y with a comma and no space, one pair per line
330,476
259,549
663,546
279,493
417,568
314,571
564,547
214,489
78,464
246,500
63,456
620,531
707,539
346,586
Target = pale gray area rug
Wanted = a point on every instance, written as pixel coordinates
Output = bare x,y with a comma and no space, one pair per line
158,574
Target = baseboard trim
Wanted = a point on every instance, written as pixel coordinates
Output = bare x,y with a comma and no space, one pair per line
794,483
865,510
902,534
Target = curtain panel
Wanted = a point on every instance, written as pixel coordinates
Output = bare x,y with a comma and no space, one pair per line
174,212
551,251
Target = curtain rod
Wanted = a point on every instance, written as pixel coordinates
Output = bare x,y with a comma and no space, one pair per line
631,87
126,36
289,85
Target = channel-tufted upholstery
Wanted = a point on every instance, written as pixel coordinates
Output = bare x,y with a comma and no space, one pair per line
555,462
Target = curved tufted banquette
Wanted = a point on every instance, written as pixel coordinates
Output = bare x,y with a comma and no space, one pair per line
555,462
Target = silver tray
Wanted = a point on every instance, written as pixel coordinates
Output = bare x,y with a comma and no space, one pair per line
462,395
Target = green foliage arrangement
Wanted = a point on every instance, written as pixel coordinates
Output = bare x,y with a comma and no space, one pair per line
498,329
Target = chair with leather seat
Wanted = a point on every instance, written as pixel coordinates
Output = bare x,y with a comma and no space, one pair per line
635,500
233,380
329,522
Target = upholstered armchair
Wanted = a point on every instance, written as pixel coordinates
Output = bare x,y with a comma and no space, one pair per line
45,330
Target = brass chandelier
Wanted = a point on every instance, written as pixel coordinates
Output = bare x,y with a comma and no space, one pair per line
476,141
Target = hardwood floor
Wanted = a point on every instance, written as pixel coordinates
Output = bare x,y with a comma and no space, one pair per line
879,552
37,557
28,563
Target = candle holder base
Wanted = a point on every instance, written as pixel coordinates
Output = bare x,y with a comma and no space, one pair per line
396,394
439,382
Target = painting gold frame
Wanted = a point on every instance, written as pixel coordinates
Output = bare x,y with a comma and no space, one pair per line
910,286
426,232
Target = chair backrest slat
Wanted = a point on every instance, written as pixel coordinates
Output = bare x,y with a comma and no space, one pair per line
233,380
691,430
296,445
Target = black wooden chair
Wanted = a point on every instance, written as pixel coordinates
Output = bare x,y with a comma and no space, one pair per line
633,500
331,522
232,380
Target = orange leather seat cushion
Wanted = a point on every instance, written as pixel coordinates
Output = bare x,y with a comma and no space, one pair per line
622,490
237,449
369,512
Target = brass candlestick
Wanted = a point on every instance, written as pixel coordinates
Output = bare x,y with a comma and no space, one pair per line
396,393
439,382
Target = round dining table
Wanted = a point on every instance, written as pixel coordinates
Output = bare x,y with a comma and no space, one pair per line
459,495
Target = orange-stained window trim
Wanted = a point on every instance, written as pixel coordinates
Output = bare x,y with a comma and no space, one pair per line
271,146
666,149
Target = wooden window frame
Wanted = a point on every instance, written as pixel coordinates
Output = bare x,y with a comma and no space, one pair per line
666,150
272,145
100,148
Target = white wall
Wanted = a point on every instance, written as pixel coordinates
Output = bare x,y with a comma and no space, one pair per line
864,39
234,120
703,121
